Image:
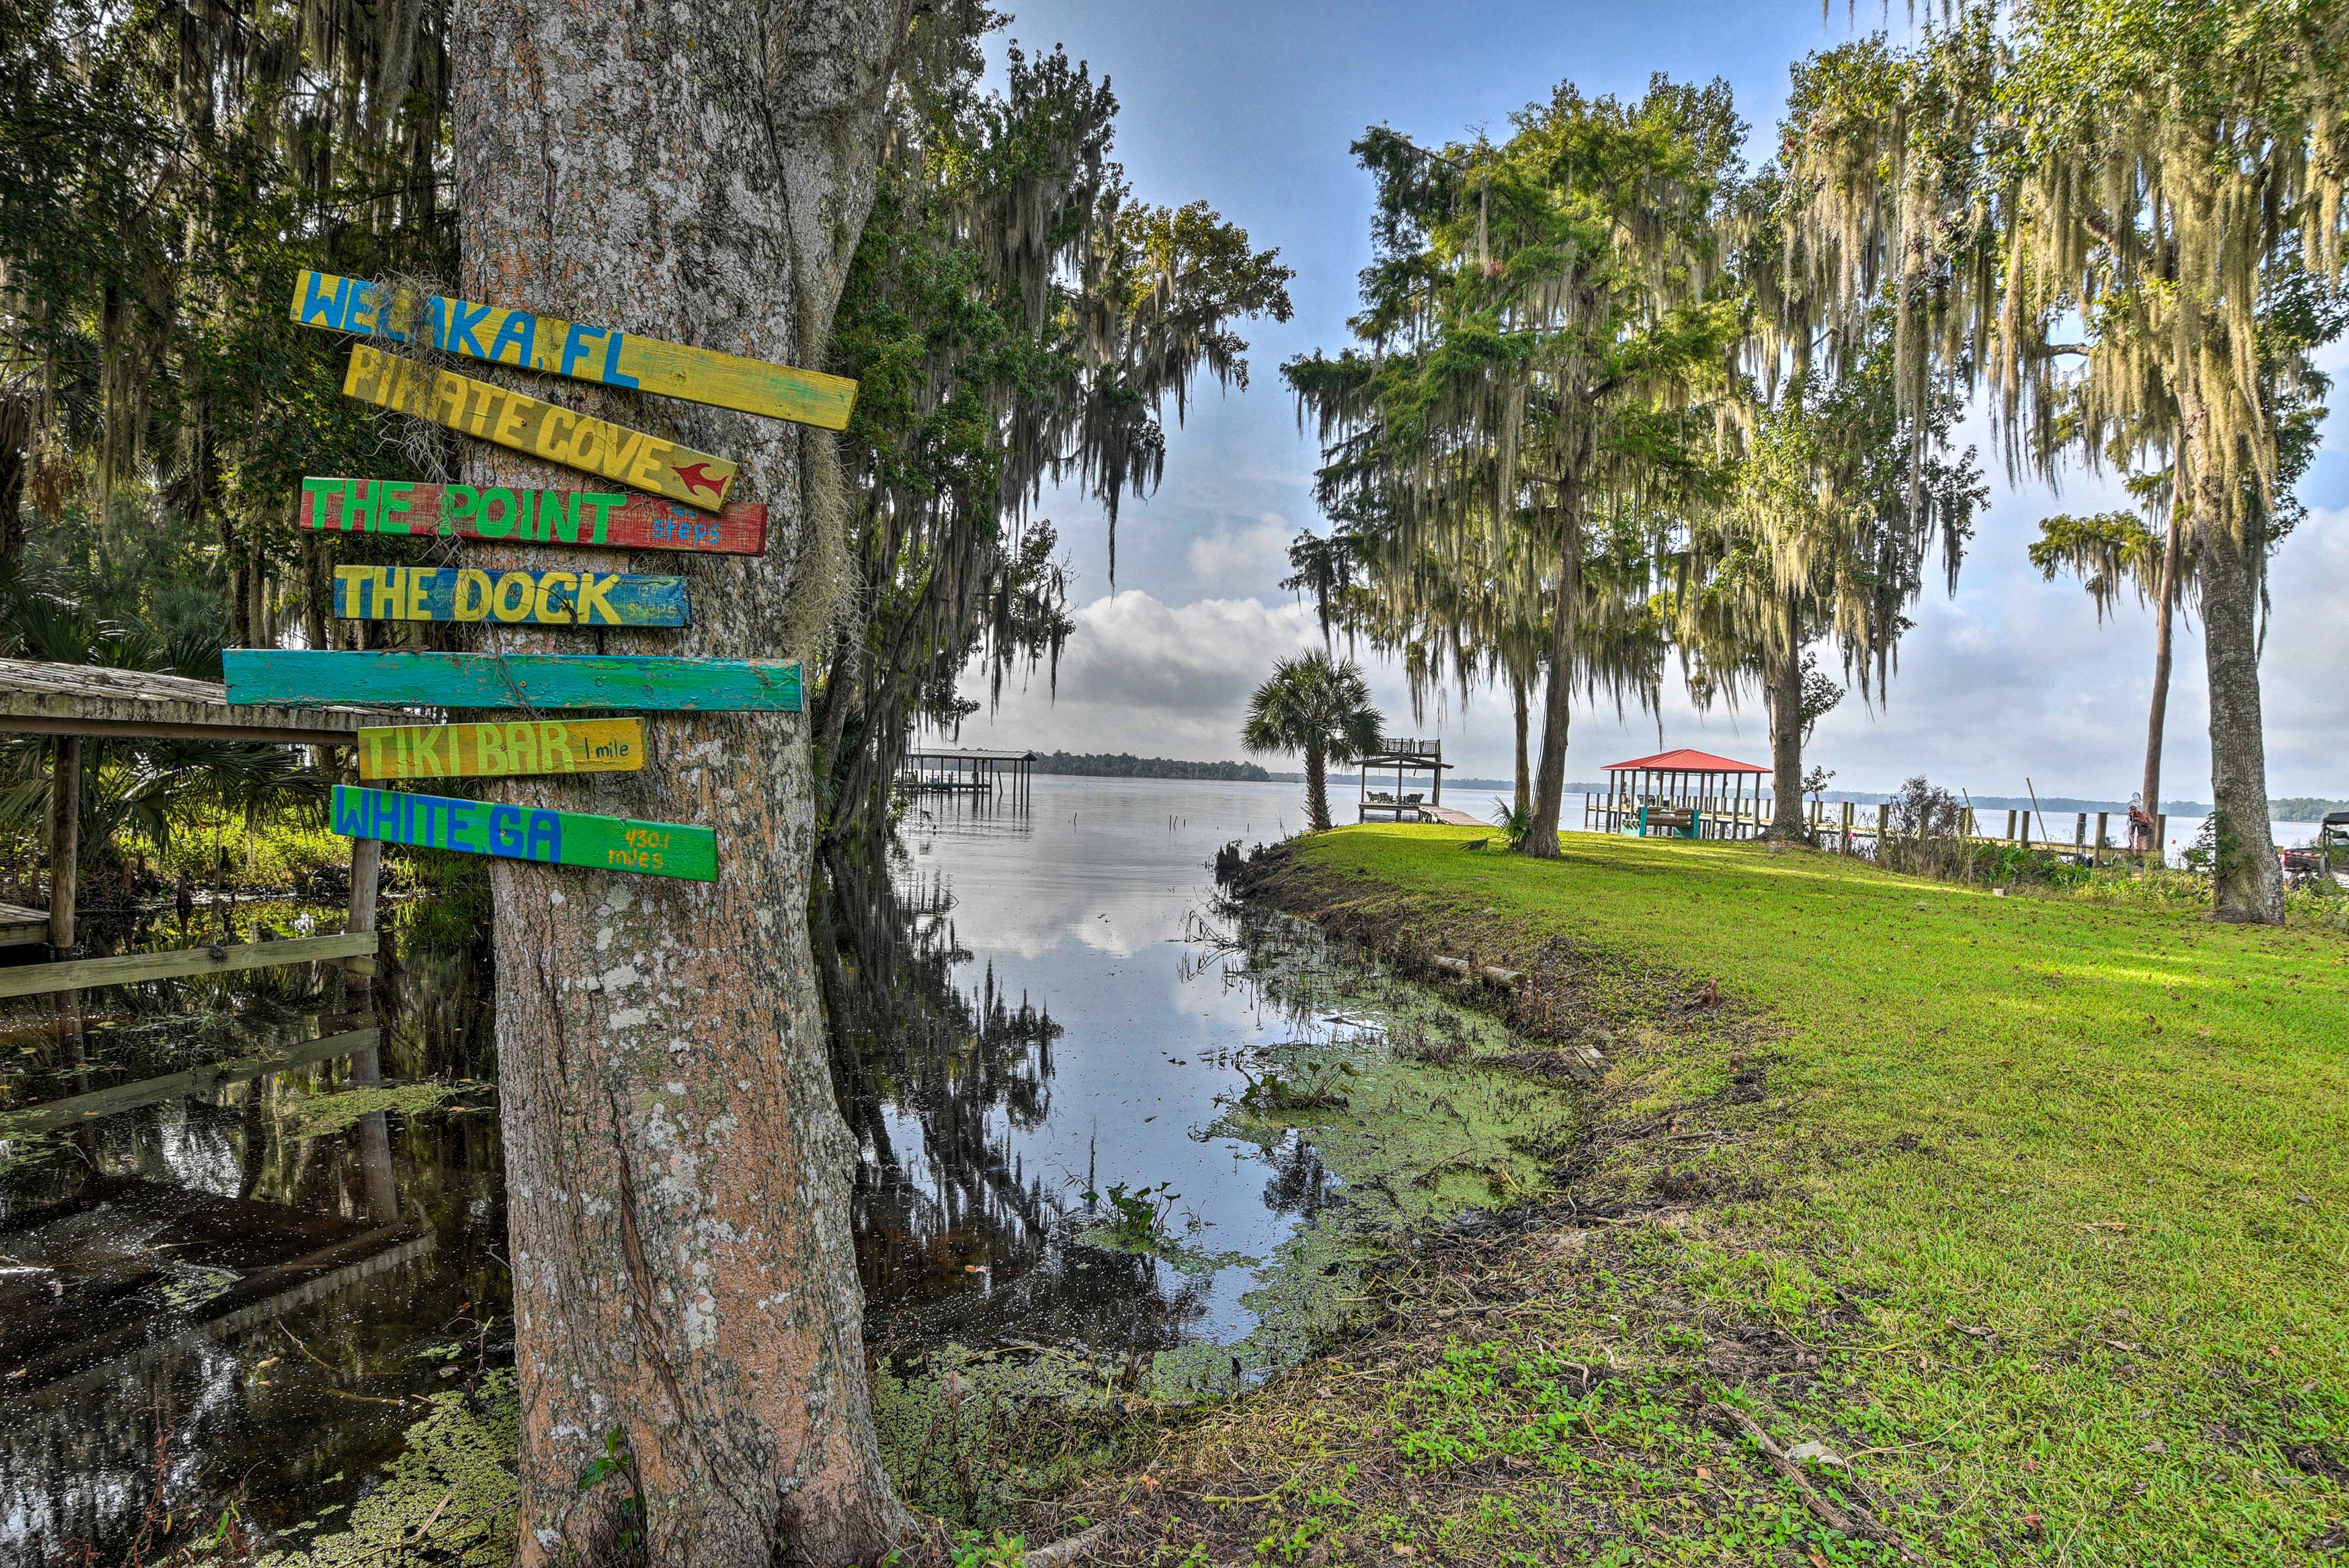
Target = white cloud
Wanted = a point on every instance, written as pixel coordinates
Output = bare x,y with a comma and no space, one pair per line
1248,556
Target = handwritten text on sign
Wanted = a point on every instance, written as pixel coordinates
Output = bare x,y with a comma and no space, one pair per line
313,678
615,359
527,833
514,419
609,518
523,746
541,598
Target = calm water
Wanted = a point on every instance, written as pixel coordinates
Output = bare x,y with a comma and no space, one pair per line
243,1288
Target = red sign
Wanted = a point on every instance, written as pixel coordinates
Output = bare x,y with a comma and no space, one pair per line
607,519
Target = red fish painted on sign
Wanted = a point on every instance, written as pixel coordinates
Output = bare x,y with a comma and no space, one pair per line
698,476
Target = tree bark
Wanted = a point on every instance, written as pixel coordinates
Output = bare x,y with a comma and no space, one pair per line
677,1169
1317,786
1786,823
2158,713
1557,712
2249,882
1525,800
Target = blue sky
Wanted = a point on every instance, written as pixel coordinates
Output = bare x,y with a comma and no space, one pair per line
1252,107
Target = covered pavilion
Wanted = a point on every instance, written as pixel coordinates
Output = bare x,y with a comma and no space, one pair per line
68,703
1685,792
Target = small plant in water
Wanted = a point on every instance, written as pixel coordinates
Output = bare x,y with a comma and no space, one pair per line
1139,1216
1322,1088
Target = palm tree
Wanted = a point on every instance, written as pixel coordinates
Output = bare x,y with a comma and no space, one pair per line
1320,709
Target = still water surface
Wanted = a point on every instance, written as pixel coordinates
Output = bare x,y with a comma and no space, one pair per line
246,1287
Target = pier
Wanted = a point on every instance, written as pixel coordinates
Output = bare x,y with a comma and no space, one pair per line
934,770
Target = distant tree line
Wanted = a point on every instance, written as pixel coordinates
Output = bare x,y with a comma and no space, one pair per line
1125,765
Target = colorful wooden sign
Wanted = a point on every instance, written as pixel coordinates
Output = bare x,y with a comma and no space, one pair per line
610,518
502,750
515,419
539,598
309,678
526,832
614,358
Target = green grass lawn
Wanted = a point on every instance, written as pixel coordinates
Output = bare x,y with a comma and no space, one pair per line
2034,1208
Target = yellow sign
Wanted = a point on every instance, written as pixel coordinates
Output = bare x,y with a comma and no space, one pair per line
515,420
486,750
611,358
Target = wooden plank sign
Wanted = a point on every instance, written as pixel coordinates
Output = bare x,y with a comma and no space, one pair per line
611,358
308,678
538,599
526,832
502,750
610,518
515,419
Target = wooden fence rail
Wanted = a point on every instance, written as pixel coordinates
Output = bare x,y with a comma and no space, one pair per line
83,974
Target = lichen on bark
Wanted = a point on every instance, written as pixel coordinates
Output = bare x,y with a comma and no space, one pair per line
678,1169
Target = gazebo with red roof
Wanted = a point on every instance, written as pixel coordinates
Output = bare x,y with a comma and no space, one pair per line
1696,794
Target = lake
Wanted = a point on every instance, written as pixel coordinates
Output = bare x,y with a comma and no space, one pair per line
1074,1075
1047,1032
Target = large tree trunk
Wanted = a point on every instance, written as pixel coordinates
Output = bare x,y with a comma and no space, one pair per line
2249,882
1317,786
1557,711
679,1172
1786,824
1525,800
2158,713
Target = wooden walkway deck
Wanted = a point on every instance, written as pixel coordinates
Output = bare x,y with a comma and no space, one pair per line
21,927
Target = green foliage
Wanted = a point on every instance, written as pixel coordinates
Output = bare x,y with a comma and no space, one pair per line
1320,707
169,172
1547,335
1124,765
451,1490
1137,1218
1015,319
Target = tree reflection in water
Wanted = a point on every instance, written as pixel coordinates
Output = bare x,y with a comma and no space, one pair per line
957,1242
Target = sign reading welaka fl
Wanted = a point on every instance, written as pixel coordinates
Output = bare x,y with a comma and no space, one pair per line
312,678
615,359
512,419
539,598
502,750
609,518
526,832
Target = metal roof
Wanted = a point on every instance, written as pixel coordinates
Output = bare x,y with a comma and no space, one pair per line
1684,760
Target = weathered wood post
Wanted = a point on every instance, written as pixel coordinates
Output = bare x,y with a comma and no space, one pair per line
65,841
2080,834
2104,819
366,873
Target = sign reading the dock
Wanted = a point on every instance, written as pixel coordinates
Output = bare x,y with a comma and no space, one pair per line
512,419
609,518
540,599
306,678
615,359
527,833
502,750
